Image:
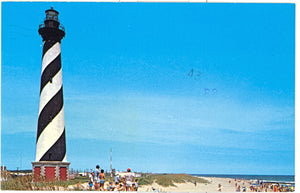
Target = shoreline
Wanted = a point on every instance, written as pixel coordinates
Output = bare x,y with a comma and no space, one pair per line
215,184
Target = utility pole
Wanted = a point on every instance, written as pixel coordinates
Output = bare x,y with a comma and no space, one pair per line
111,169
21,161
110,159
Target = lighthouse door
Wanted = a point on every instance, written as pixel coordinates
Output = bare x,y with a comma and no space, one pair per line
63,173
50,173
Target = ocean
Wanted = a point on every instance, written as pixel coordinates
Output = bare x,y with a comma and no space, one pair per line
273,178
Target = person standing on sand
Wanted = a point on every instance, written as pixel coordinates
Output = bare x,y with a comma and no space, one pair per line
129,178
97,177
136,185
91,179
102,180
220,188
117,178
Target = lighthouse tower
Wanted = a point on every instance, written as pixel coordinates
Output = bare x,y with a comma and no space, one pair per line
51,161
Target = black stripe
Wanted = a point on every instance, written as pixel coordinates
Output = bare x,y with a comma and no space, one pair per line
47,45
51,109
58,150
50,71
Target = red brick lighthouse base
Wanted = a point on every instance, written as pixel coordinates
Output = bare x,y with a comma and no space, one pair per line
50,170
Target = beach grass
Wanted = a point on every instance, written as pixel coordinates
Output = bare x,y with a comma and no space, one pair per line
26,183
166,180
17,183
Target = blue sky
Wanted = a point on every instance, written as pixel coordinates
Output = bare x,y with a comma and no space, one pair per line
170,87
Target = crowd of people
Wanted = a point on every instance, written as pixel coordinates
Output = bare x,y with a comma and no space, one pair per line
261,186
265,187
125,182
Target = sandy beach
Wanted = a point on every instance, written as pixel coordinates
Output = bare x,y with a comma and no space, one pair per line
212,186
227,185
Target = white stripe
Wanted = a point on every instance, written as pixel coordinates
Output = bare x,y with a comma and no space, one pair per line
50,135
65,158
50,55
50,90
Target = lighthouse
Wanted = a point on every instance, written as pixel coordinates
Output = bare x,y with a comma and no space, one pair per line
50,159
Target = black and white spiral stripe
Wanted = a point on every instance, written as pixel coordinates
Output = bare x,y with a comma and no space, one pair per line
51,142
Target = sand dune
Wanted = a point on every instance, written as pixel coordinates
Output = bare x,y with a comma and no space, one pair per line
212,186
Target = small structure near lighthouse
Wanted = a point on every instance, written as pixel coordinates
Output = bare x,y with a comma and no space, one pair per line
51,160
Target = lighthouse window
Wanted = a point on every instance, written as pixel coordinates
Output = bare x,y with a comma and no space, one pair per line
52,17
49,17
